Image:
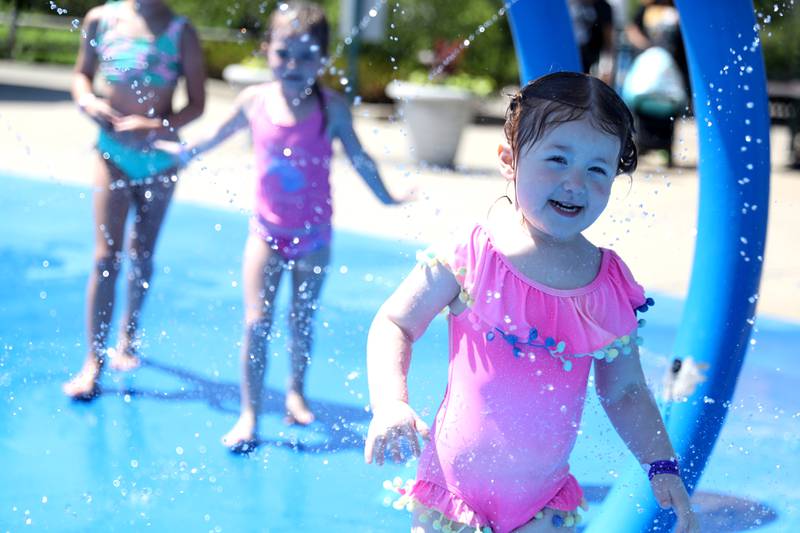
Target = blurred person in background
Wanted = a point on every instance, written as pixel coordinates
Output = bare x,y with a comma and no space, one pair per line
593,24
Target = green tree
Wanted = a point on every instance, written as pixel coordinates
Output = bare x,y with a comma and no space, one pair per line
16,9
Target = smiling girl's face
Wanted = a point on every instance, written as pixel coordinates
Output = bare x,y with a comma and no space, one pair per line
295,59
563,181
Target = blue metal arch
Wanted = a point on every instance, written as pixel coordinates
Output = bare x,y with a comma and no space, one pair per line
730,103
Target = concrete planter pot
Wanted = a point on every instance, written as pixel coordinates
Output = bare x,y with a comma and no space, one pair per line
435,116
241,76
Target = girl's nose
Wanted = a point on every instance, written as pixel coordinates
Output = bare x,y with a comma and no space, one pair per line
574,181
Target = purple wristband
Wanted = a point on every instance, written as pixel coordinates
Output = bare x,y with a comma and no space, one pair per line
668,466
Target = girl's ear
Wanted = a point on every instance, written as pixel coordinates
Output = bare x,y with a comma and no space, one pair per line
506,160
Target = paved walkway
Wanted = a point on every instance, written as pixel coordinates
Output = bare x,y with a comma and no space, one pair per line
651,223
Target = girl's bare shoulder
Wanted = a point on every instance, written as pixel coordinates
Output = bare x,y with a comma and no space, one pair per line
252,94
95,14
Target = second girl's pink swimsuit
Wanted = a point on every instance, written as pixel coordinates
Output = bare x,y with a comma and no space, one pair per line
293,197
520,356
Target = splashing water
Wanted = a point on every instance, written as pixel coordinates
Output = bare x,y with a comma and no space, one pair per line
437,71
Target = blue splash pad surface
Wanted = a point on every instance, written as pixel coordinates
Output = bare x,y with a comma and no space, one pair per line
147,452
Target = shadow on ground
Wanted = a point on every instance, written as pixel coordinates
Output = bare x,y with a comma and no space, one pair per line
338,427
22,93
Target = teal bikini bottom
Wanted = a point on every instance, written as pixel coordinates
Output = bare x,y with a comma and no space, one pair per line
139,161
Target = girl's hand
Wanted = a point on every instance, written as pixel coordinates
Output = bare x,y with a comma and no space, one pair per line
409,195
391,424
176,149
670,493
136,123
98,110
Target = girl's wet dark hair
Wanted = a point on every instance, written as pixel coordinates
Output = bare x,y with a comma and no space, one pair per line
563,97
301,18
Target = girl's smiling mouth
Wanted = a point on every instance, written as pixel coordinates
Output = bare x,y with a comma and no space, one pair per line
565,209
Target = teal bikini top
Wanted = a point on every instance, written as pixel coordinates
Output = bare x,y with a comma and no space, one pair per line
131,60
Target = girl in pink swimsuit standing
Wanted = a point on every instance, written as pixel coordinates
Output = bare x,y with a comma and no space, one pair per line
293,121
532,305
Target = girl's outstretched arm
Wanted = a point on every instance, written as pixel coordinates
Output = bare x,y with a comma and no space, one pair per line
630,406
236,120
341,126
401,320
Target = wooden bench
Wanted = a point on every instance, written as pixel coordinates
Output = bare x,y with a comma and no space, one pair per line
784,108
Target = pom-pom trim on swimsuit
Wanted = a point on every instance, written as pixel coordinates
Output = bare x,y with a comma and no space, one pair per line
523,347
466,520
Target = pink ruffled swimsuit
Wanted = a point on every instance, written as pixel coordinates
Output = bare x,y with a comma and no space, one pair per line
293,198
520,356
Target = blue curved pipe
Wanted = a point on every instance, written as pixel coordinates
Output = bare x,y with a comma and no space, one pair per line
543,37
730,101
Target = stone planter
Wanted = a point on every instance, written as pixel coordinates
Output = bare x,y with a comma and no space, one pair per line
435,116
240,76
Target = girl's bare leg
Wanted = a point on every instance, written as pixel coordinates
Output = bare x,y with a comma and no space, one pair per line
261,273
110,205
308,276
151,202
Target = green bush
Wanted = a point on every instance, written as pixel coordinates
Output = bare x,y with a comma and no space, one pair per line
780,39
218,55
412,26
418,25
44,45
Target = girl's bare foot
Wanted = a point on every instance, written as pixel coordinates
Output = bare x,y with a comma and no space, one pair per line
83,386
242,436
124,358
297,411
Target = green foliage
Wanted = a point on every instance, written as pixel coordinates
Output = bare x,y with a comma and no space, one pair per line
780,38
422,24
38,45
480,85
418,25
219,55
413,26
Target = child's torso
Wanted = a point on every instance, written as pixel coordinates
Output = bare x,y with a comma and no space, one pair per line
292,164
520,356
137,61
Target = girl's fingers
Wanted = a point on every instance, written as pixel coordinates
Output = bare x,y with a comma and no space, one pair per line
683,510
679,501
422,428
411,436
394,449
380,449
369,449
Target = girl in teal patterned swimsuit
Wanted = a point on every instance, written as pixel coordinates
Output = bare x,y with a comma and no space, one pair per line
141,49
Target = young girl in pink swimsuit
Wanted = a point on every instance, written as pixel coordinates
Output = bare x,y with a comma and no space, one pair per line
532,305
293,121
